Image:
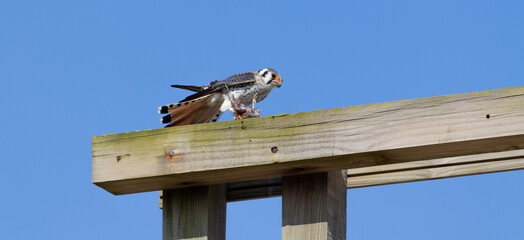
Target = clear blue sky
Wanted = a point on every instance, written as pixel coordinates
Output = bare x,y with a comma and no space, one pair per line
70,70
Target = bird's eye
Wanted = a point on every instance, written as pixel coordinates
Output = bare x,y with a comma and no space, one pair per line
274,76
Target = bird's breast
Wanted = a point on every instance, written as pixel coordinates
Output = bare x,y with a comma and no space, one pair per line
246,94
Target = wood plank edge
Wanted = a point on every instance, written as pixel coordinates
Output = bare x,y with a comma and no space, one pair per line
433,173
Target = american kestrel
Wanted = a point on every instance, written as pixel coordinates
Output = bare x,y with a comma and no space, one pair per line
237,93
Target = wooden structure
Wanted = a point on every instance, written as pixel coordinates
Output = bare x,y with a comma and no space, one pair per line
310,158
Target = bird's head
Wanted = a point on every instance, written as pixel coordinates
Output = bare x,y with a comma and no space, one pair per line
270,76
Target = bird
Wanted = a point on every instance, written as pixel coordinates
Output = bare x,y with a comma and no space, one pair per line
237,93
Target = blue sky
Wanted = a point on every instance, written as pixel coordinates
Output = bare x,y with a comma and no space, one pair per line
70,70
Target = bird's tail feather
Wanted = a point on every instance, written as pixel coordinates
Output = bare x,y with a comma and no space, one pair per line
199,110
191,87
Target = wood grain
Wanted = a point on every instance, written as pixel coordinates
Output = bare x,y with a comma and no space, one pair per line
194,213
314,206
309,142
398,173
436,169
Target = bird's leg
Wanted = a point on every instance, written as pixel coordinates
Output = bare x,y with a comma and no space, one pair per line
252,111
237,116
254,100
237,111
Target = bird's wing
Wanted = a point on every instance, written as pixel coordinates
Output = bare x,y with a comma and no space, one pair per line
247,78
236,80
239,78
199,110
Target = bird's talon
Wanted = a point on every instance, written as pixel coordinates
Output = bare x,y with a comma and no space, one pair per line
240,116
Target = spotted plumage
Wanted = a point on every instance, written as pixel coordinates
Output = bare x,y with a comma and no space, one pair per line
237,93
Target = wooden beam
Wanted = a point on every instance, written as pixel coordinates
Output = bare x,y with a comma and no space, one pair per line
309,142
397,173
194,213
314,206
436,169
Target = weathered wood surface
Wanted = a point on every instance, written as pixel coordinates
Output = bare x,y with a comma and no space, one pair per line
314,206
194,213
398,173
308,142
435,169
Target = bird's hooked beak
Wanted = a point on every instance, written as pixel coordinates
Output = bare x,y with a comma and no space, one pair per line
277,82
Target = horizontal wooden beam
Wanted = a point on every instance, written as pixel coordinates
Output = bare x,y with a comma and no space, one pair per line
436,169
396,173
318,141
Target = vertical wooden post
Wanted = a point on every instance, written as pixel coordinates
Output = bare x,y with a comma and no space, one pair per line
314,206
195,213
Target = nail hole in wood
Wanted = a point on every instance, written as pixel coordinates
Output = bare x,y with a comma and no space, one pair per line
274,149
487,116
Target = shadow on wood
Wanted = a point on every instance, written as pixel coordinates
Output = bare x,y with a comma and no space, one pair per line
198,212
